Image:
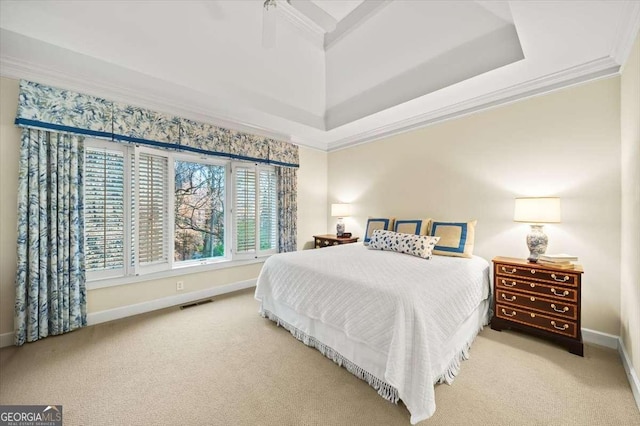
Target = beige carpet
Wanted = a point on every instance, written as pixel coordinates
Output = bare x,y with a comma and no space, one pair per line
222,364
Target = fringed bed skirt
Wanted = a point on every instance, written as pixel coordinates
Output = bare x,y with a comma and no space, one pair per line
384,389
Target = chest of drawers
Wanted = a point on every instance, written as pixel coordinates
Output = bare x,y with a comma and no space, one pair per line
329,240
538,299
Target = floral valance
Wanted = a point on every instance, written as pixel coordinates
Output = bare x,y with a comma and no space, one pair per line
54,109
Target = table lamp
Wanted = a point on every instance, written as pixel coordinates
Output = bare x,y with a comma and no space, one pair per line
537,211
340,211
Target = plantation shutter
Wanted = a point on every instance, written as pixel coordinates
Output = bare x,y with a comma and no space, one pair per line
152,223
104,211
245,209
268,210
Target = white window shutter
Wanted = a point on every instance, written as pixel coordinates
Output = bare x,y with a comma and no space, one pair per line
268,210
245,209
255,211
104,212
152,210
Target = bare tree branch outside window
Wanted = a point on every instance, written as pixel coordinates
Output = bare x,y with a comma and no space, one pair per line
199,211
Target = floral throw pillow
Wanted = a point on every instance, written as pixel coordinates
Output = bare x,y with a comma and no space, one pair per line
415,245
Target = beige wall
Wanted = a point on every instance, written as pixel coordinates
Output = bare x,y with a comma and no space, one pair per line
312,201
630,231
102,299
9,156
566,143
312,196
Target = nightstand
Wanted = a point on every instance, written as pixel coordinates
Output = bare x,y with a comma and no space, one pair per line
332,240
538,299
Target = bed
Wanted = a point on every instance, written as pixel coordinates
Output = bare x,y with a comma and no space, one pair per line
399,322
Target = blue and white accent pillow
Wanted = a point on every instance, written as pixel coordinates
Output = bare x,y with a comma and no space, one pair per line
415,245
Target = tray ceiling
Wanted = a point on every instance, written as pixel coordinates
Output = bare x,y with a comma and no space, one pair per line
320,73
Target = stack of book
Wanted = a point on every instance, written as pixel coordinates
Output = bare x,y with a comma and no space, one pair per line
562,261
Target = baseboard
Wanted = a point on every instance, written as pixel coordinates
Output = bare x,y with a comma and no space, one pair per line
634,382
600,338
152,305
614,342
6,339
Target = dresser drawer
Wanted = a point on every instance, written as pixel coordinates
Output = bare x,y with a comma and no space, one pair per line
537,320
535,288
541,304
324,242
330,240
564,278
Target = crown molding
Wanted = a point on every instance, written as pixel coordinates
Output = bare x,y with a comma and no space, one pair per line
357,17
306,26
600,68
627,32
314,13
19,69
596,69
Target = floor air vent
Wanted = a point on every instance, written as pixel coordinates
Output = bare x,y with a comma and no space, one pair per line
199,302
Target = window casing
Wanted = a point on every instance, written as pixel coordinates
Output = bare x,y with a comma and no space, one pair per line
149,210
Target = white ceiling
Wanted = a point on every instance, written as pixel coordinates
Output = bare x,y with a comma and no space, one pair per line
321,73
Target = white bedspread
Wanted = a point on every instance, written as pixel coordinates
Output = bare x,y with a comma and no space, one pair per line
403,306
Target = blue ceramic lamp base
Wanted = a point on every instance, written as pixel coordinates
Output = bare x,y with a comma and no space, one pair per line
537,242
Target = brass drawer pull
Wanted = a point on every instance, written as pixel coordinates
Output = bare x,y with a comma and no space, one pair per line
533,299
504,283
532,285
533,271
506,298
564,327
564,293
562,311
565,279
513,271
513,313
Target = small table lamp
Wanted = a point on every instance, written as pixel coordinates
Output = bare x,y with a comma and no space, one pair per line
537,211
340,211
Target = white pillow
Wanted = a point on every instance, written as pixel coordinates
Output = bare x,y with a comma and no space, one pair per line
415,245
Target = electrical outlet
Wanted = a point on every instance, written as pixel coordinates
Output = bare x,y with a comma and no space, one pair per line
179,285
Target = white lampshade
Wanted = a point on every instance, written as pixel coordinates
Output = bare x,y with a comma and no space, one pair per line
340,210
537,210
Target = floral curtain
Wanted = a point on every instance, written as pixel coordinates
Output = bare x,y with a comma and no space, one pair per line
50,108
287,208
50,281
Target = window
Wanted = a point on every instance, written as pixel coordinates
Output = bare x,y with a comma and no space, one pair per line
199,211
148,210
